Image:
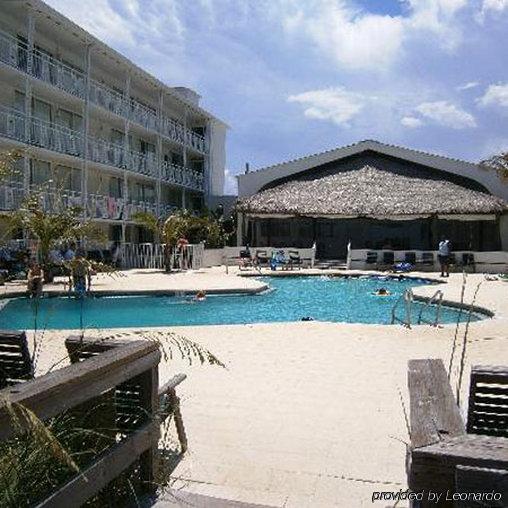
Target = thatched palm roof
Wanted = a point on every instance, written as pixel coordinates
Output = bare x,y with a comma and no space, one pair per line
371,191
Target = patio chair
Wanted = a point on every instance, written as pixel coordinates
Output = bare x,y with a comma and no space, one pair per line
371,258
245,259
15,362
468,261
452,261
294,259
388,259
488,400
261,258
410,257
427,259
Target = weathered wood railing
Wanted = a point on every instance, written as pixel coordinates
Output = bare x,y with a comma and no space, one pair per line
120,368
443,459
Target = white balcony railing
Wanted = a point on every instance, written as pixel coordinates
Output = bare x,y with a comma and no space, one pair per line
105,207
11,196
143,163
143,115
107,153
46,68
12,124
40,133
107,98
178,175
62,76
55,137
63,140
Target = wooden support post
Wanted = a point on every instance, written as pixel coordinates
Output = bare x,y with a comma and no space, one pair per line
150,401
174,403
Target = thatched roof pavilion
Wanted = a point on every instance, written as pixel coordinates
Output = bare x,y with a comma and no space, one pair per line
371,192
372,195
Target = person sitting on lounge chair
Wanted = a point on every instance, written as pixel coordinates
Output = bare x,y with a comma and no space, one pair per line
278,258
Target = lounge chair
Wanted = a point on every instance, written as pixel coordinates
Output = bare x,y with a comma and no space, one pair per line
468,261
452,261
294,259
427,259
245,259
15,362
371,258
410,257
261,258
388,260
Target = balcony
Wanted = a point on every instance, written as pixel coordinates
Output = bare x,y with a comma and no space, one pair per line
178,175
48,69
43,134
143,163
13,52
105,207
104,152
57,138
11,196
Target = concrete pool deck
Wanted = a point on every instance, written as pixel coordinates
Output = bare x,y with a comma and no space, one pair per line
307,414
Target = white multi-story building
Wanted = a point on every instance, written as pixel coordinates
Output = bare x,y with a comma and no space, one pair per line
97,130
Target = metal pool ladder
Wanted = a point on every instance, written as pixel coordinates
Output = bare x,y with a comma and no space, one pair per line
407,297
436,298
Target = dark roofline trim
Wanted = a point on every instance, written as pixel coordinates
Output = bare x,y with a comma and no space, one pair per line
366,141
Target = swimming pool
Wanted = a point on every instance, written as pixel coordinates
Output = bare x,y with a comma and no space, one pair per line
336,299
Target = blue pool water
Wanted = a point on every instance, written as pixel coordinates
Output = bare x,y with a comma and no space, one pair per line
334,299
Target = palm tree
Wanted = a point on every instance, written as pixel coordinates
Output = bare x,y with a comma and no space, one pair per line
62,225
499,162
205,229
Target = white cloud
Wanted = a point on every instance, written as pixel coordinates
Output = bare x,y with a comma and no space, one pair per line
491,6
496,95
335,104
446,114
438,17
357,39
468,86
411,122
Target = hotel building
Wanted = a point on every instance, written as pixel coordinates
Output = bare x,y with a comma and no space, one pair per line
97,131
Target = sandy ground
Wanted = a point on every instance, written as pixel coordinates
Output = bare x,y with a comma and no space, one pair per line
306,414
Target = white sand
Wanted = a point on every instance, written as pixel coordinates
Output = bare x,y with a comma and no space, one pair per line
306,414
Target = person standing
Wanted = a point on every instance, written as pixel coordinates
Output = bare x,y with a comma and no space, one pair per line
443,254
34,282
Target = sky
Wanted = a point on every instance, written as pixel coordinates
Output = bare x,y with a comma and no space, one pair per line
295,77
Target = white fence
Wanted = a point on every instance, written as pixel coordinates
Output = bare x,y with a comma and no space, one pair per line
484,262
150,255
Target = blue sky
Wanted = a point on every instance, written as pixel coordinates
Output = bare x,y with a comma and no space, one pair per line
293,77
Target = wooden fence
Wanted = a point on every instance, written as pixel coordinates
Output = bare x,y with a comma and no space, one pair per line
129,369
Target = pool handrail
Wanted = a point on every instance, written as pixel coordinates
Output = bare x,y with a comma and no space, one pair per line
407,296
436,298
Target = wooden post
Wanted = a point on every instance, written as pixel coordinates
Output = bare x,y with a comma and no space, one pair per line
150,402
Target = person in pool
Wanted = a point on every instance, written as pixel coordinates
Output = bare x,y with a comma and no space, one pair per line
382,292
200,296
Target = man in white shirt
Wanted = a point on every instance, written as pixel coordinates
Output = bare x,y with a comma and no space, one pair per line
443,255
